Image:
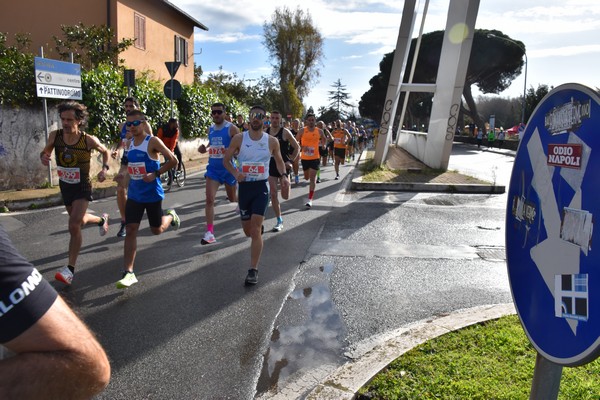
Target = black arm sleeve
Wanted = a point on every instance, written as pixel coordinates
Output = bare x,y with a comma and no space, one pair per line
25,295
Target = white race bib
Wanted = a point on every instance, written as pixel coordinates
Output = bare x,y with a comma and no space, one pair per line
69,175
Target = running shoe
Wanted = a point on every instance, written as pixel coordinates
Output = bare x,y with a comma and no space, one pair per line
64,275
252,277
208,238
337,177
278,227
176,221
104,226
127,280
122,230
309,204
318,180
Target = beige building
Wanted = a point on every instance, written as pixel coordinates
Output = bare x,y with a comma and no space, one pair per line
162,31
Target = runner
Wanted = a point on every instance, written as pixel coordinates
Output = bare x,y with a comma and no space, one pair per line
254,150
323,148
296,163
289,150
129,104
310,138
145,190
52,348
72,149
219,137
340,137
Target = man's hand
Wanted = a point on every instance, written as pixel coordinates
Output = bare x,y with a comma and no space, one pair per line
114,154
45,158
202,149
101,176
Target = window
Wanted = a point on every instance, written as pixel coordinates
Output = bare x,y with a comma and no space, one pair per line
139,23
181,50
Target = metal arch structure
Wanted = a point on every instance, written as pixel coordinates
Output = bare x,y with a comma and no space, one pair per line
434,147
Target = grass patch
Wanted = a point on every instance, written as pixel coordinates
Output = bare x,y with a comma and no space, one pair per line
491,360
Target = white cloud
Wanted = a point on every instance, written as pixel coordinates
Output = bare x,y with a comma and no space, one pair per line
568,51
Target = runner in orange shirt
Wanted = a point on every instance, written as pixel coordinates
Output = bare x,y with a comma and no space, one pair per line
311,138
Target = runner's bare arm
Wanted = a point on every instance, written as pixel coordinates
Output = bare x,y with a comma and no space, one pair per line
233,149
49,364
156,147
46,154
293,142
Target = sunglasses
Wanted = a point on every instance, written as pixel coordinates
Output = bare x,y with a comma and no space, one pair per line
216,112
137,122
257,115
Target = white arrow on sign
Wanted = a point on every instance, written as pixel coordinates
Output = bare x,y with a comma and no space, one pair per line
54,78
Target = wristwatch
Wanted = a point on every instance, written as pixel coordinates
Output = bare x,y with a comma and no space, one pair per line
157,174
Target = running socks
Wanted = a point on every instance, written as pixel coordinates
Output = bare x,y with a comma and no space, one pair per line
210,228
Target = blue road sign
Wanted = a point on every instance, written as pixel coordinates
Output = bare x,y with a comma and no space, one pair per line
553,268
57,79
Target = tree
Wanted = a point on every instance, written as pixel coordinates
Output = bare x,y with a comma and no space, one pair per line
533,98
296,48
339,98
496,60
91,45
16,71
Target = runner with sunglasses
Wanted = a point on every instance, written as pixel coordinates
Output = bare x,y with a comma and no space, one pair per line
254,149
219,138
145,190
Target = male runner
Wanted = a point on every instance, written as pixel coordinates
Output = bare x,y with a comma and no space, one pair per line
55,354
129,104
72,149
289,149
340,137
310,138
254,149
145,192
219,137
323,149
296,163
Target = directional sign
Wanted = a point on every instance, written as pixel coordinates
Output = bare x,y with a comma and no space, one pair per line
553,267
57,79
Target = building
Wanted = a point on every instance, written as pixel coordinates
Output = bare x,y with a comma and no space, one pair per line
162,31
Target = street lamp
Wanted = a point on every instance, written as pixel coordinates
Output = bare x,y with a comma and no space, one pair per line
491,35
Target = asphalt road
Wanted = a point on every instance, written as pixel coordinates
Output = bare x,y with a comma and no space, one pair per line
332,285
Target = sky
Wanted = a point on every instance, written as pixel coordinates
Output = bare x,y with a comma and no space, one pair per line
562,39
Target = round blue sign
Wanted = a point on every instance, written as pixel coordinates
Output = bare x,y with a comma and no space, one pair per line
553,202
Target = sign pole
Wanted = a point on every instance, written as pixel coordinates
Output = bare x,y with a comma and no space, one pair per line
46,131
546,379
172,90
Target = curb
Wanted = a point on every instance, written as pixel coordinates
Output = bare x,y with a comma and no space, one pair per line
345,382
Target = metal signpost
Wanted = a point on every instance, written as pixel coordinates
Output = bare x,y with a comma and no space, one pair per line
552,205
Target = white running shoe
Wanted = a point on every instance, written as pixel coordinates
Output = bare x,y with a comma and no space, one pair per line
127,280
208,238
278,227
104,226
309,204
64,275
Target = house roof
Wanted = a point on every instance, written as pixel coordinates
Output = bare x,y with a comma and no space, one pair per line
188,16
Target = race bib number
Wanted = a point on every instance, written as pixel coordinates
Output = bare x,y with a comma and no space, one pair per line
216,151
136,170
253,171
337,140
69,175
308,151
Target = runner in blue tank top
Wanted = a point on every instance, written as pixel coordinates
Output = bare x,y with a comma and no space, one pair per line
145,192
254,149
219,138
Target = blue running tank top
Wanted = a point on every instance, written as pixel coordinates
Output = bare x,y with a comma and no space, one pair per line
219,141
139,164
